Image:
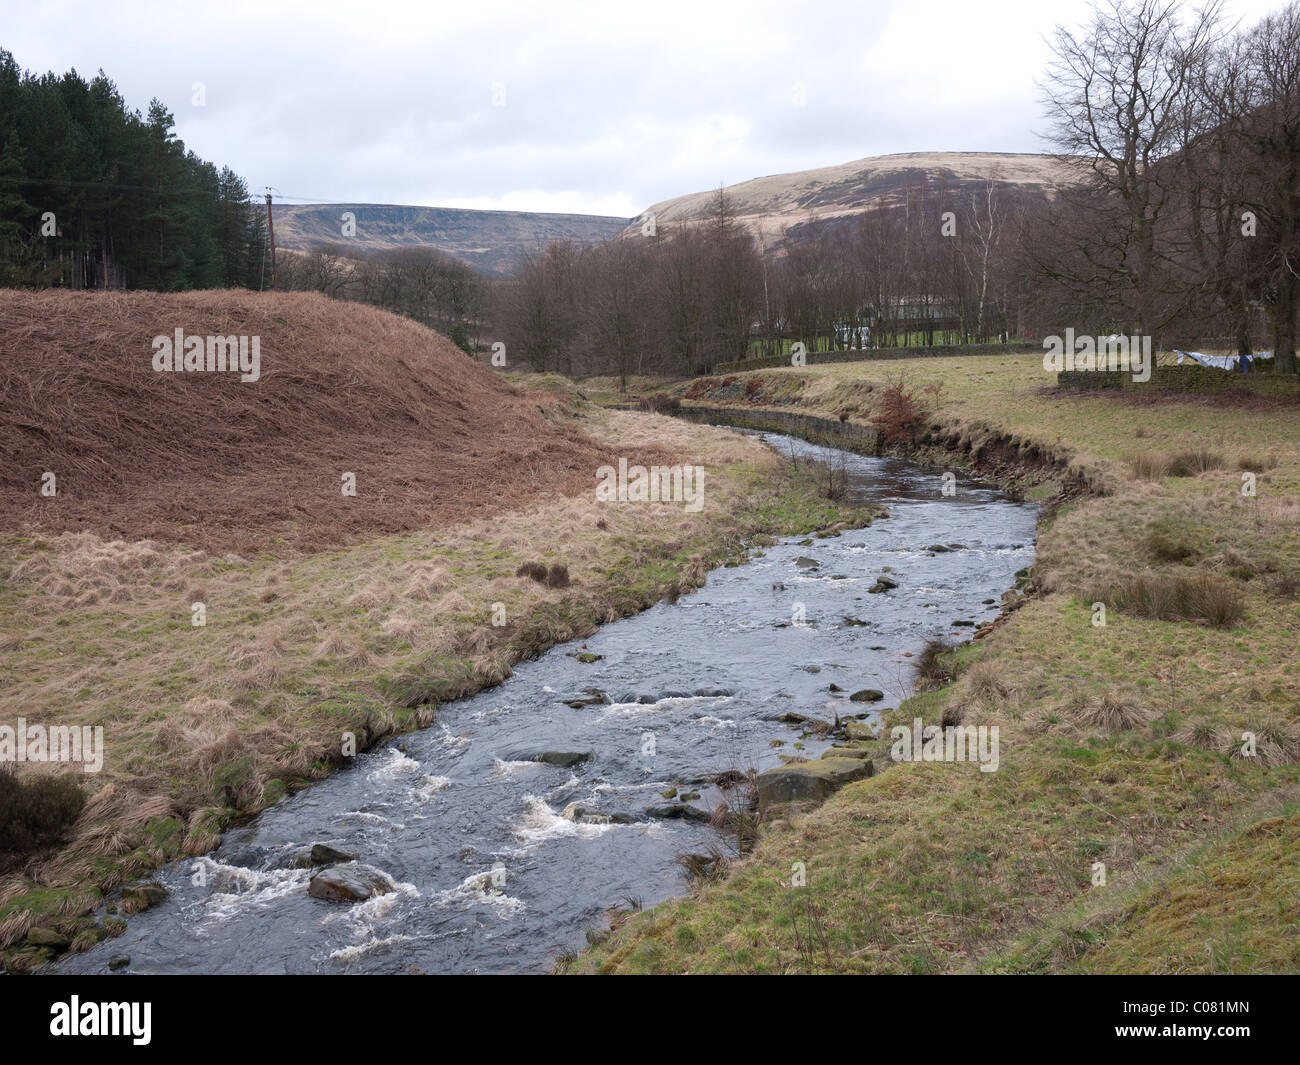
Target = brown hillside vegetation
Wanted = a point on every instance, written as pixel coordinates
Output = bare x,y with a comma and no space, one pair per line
233,466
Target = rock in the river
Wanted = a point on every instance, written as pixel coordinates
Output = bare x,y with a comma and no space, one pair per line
859,730
867,695
804,562
316,855
883,584
847,752
564,759
47,937
678,811
349,883
119,962
583,816
136,898
808,782
324,854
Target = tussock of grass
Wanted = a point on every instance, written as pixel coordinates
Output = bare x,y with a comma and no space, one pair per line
1195,461
929,669
1203,733
1113,711
1257,463
1166,597
1148,466
989,681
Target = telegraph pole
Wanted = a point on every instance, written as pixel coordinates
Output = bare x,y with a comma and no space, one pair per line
270,232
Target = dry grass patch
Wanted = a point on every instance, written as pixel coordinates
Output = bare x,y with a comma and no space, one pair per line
1174,597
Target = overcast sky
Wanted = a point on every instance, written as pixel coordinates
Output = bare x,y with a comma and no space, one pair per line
552,105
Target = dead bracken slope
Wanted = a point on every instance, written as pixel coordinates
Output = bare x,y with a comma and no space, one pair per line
230,466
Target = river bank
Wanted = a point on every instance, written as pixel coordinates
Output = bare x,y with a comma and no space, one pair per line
1149,751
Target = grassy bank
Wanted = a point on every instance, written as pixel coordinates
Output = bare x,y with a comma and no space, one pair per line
206,725
1132,824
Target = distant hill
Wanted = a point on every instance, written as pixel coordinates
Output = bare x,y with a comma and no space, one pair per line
493,242
771,206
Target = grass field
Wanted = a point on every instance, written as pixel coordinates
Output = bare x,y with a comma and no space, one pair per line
1144,814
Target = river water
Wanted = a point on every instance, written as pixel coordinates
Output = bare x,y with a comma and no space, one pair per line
489,875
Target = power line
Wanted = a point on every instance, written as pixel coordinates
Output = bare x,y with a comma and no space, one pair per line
150,188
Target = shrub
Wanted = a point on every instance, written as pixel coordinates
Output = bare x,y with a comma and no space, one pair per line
557,576
899,415
535,570
35,812
659,403
460,338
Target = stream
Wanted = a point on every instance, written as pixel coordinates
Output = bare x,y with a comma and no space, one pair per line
489,875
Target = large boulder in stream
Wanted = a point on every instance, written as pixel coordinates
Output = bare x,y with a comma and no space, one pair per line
564,759
808,783
859,730
679,811
586,816
353,882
